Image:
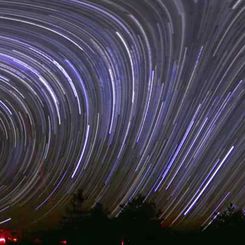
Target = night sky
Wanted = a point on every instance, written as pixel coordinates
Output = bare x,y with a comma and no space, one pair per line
121,97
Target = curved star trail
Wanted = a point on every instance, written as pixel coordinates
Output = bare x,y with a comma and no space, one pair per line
121,98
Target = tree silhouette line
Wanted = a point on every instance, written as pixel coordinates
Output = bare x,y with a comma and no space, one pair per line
138,223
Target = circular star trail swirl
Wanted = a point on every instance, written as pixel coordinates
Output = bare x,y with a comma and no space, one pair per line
121,98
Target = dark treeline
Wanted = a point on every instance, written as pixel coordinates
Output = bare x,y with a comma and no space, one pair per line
137,223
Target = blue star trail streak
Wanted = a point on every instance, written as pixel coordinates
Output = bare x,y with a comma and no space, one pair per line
121,98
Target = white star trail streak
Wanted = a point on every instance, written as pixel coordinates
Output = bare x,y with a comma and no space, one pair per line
122,98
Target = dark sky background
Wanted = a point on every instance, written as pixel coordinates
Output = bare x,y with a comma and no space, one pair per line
120,98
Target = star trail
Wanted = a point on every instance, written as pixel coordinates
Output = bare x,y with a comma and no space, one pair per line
120,98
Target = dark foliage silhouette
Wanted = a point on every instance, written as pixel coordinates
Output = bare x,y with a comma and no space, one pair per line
74,212
138,222
86,226
229,223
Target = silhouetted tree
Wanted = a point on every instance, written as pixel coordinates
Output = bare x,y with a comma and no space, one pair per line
74,211
98,226
229,218
80,225
75,214
138,222
229,223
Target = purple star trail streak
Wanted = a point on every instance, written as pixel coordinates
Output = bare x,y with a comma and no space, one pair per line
122,98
